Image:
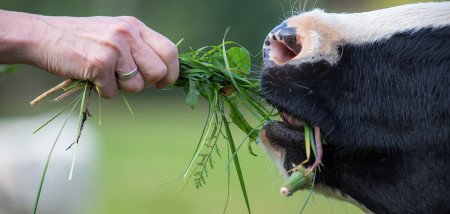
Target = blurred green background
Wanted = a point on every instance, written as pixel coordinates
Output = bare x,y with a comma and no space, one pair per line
137,154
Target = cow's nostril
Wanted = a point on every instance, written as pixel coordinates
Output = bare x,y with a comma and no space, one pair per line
288,36
283,45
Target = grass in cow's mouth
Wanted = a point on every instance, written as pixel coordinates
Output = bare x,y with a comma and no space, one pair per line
301,177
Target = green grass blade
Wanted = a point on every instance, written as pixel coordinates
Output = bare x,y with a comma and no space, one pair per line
230,74
236,162
228,180
74,84
179,42
195,151
242,143
50,155
73,160
310,192
59,113
80,116
257,128
204,138
313,141
307,142
227,65
252,103
249,109
210,138
126,103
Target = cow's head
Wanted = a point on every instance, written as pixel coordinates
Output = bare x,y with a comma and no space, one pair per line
378,86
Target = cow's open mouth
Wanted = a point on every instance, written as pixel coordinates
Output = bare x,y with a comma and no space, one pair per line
282,137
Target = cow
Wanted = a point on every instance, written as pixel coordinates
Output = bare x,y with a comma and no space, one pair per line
377,84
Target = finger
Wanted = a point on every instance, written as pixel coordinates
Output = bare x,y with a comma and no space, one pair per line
107,86
168,53
164,48
173,70
152,68
125,64
103,76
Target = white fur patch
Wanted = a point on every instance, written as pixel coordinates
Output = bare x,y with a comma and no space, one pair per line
314,43
277,157
381,24
321,32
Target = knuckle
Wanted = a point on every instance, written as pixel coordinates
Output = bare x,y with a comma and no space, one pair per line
110,42
174,77
122,29
108,94
159,73
119,33
170,51
134,88
155,74
131,19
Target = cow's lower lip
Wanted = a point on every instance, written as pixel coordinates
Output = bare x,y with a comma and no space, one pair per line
278,134
282,134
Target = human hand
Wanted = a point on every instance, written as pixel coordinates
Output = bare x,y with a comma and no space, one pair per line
95,48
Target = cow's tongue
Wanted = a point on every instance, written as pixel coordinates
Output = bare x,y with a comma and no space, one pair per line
292,121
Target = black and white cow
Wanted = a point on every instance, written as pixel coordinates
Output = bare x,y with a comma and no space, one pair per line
378,86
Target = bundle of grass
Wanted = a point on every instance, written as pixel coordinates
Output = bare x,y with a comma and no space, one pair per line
223,77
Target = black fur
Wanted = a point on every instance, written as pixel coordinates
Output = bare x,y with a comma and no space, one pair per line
384,109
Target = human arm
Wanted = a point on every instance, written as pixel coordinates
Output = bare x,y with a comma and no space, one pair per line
90,48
